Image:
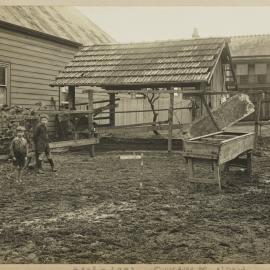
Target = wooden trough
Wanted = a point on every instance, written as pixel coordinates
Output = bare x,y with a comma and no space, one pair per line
209,143
217,149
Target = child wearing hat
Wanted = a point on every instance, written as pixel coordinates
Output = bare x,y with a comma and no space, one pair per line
19,151
41,144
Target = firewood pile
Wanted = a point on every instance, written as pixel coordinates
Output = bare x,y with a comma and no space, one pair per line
10,118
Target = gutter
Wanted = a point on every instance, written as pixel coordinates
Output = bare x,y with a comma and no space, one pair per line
35,33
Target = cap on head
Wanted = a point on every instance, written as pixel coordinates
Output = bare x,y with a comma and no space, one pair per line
44,116
20,128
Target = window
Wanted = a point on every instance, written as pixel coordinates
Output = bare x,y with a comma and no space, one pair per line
4,72
242,79
261,78
242,69
260,69
3,76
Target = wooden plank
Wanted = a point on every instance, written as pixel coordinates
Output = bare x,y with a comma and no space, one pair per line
113,130
139,125
234,147
201,156
74,143
127,157
223,136
71,112
212,140
228,113
35,60
164,91
35,75
21,51
101,118
22,92
170,121
30,42
104,108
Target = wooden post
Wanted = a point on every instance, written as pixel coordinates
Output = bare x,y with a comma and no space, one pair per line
170,120
112,110
249,163
59,98
90,121
217,174
257,119
190,169
210,112
71,97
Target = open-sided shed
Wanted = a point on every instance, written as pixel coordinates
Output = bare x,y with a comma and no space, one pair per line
152,67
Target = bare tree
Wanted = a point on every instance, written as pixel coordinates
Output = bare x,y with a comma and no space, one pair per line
152,98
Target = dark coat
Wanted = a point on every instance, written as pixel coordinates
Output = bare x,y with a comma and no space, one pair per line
41,139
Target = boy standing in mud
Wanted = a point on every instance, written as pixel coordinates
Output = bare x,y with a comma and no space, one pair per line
41,143
19,151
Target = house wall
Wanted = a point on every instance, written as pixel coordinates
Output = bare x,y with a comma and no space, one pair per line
34,63
249,81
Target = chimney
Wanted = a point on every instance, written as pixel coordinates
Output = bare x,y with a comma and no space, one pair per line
195,33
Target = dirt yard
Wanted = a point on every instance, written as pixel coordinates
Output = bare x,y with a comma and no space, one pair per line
93,211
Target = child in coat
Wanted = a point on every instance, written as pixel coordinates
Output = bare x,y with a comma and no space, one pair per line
41,142
19,151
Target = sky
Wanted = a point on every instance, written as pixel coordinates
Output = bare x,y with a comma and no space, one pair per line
135,24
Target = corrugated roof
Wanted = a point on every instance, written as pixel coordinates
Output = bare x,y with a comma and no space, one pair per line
248,46
63,22
177,61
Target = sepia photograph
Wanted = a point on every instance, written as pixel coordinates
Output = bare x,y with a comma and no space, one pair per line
134,134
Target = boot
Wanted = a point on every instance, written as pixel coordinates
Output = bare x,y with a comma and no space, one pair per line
52,165
39,166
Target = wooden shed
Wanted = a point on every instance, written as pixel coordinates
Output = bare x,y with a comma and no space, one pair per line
36,42
135,67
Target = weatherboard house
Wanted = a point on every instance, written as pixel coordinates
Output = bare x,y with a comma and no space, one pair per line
36,42
251,61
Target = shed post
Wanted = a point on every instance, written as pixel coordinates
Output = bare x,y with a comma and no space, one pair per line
112,110
90,120
257,119
59,98
170,121
71,97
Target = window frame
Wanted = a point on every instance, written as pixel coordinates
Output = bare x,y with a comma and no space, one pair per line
7,67
6,71
240,68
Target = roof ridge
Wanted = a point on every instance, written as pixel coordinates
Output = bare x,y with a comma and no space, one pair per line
251,35
156,41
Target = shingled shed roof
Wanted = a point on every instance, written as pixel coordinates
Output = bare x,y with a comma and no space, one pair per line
250,46
62,22
175,62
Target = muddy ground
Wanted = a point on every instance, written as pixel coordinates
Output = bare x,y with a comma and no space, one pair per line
93,211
